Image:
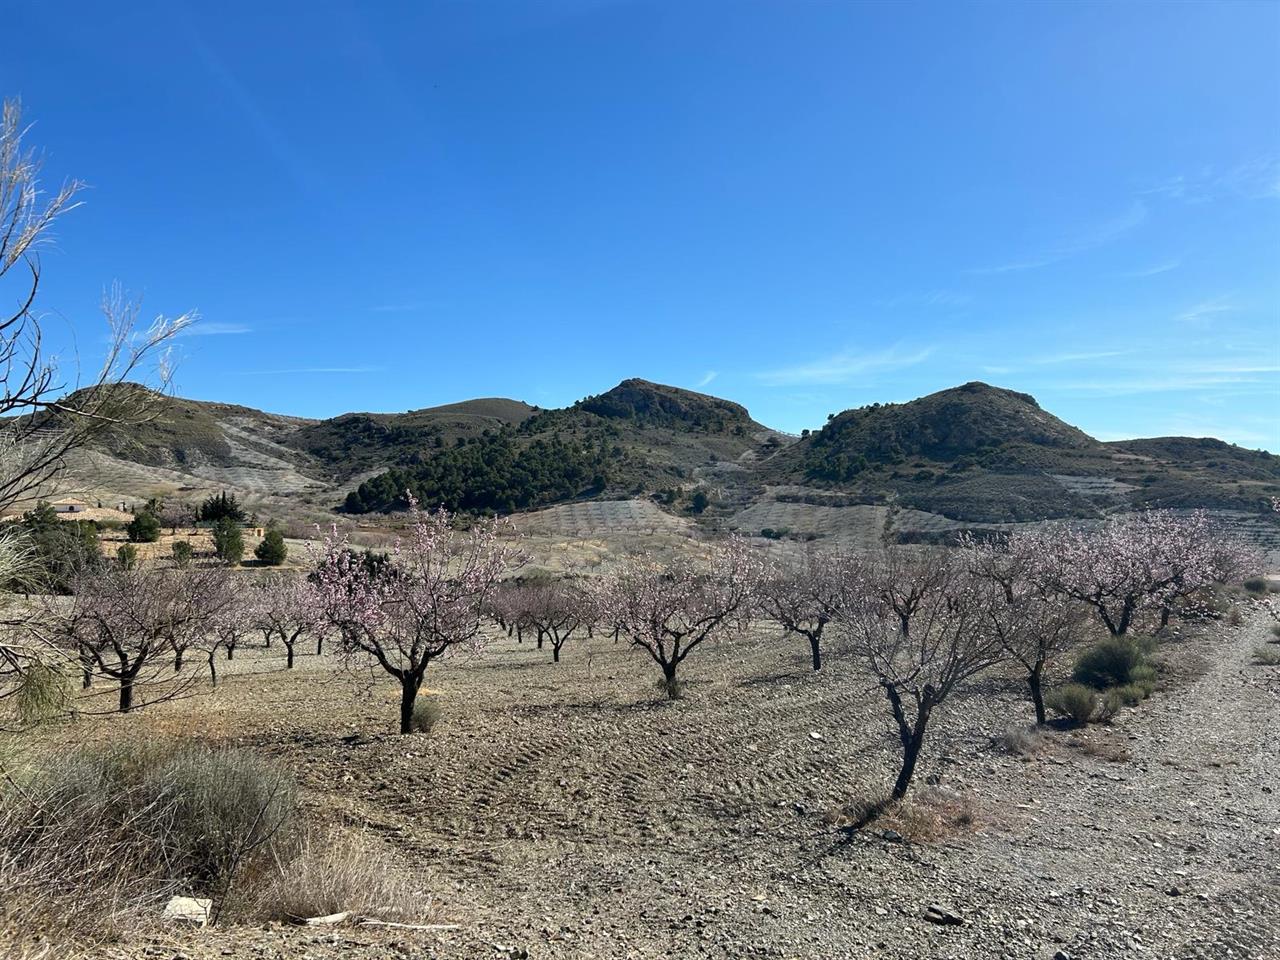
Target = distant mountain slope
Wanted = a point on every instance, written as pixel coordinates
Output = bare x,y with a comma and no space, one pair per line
982,454
637,438
357,442
970,455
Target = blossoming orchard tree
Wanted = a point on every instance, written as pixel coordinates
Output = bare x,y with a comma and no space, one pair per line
804,595
919,620
428,601
556,609
1145,565
1034,626
669,610
287,607
129,624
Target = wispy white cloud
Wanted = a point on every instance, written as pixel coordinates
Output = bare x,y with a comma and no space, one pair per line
1153,270
1257,178
845,366
309,370
203,328
1201,314
708,377
1096,236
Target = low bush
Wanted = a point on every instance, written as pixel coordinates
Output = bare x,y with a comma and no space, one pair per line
1256,584
924,816
182,553
127,556
95,839
1075,701
1109,663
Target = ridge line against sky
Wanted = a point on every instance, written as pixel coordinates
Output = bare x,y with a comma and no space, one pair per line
801,209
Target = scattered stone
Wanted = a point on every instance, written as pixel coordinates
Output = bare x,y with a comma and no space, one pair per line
188,910
936,914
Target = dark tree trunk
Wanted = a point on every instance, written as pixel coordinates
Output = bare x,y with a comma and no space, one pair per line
409,685
87,680
815,646
541,636
555,653
319,646
213,668
1037,692
519,634
177,661
231,652
126,694
288,656
911,734
669,677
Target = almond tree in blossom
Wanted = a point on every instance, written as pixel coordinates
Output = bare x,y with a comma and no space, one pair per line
1034,626
128,623
557,609
804,596
920,621
426,602
1144,565
669,610
287,607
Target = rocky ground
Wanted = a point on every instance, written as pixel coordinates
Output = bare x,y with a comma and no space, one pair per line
563,811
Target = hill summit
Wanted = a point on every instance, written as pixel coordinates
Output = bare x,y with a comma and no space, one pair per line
655,404
971,420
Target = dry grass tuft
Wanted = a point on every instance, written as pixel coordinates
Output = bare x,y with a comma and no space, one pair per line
343,873
926,816
1024,742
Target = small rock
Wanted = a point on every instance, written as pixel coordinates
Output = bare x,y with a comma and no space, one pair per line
188,910
936,914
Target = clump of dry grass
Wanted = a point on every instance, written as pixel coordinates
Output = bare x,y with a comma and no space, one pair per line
1104,749
1024,742
93,841
342,873
926,816
1267,656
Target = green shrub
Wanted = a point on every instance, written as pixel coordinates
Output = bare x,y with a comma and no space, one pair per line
127,556
1256,584
228,540
1131,694
144,528
1109,705
1108,663
272,551
1074,701
182,553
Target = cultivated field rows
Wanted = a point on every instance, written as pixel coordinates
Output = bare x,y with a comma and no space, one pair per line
568,811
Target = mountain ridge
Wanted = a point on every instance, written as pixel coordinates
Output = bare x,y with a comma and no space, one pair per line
974,453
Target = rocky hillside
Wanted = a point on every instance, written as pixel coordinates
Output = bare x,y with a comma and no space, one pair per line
971,456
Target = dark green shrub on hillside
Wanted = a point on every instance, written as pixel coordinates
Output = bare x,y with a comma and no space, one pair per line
1113,662
143,528
272,550
127,556
221,507
228,541
182,553
62,548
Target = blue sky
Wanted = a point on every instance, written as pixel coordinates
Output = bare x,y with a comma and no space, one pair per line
800,206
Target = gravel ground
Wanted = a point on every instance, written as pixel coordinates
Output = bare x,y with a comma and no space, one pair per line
562,811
